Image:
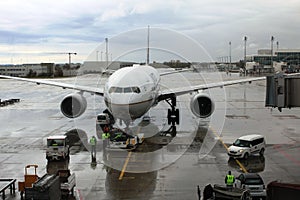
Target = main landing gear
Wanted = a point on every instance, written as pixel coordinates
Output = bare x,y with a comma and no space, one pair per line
173,114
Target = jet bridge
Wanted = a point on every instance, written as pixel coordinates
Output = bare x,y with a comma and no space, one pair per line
282,91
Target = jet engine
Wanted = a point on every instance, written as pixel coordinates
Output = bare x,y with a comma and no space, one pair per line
202,105
73,105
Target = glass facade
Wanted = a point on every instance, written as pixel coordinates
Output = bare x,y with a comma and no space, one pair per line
291,58
264,59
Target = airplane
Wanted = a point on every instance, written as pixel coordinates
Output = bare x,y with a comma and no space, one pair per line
130,92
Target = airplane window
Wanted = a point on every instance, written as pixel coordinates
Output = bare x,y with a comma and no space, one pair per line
112,89
136,90
127,90
119,90
124,90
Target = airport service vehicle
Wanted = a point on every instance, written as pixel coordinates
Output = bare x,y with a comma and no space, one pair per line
67,182
277,190
247,145
52,186
121,140
47,187
253,183
57,147
223,192
103,119
29,179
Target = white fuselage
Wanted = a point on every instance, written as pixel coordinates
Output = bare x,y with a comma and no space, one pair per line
131,91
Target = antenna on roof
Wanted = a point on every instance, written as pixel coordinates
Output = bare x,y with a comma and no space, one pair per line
147,62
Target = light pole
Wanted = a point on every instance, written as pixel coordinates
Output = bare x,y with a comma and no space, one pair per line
230,54
272,40
97,52
106,52
245,40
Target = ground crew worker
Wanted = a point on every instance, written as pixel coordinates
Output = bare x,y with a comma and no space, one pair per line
229,180
105,139
105,129
105,135
93,142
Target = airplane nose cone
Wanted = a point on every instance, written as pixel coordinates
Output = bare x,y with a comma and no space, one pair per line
127,107
122,99
120,106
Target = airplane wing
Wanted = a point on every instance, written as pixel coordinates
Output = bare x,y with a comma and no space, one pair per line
185,90
175,71
92,90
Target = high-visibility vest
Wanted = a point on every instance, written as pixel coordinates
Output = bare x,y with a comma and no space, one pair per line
230,179
105,136
93,141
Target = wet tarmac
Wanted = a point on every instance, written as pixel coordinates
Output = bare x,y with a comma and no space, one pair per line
162,167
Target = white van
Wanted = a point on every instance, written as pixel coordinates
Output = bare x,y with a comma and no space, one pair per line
247,145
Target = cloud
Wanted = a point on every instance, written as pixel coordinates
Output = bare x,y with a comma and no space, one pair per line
212,23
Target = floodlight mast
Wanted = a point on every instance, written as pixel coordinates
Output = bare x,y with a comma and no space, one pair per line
148,44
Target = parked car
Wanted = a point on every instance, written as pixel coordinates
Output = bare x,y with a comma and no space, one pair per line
247,145
253,183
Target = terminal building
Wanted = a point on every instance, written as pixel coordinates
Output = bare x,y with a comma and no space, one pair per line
24,70
264,57
290,56
39,70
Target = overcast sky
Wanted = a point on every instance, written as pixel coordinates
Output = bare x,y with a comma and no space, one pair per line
37,31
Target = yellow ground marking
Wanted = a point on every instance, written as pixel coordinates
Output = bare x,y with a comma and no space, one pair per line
226,147
124,166
127,159
241,166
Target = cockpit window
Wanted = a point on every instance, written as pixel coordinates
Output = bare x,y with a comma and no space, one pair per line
112,89
119,90
136,90
127,90
124,90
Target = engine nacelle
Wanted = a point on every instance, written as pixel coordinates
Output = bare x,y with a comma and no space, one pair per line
73,105
202,105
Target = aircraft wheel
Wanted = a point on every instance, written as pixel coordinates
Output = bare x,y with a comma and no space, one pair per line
177,116
169,116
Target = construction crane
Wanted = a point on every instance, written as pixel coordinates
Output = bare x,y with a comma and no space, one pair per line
69,53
